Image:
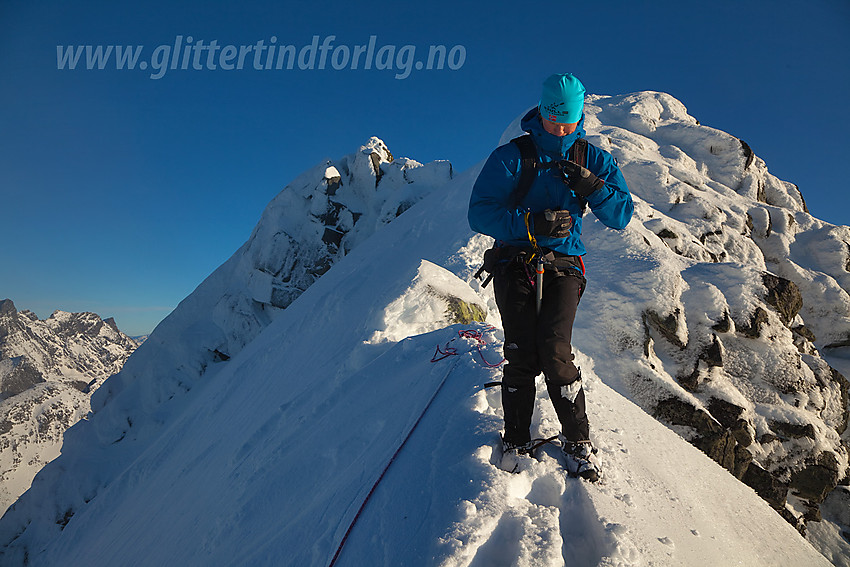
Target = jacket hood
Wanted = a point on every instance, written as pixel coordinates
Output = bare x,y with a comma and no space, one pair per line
555,147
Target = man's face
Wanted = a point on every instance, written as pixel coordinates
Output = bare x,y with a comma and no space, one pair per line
557,128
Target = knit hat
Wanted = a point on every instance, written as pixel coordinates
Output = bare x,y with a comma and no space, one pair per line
562,100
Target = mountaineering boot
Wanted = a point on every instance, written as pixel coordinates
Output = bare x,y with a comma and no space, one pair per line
513,455
581,459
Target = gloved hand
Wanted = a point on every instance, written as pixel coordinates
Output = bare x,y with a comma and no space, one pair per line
556,224
580,179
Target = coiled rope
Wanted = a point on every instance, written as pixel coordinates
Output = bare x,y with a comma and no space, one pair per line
476,335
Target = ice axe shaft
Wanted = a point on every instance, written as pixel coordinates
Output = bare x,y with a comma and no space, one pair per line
539,271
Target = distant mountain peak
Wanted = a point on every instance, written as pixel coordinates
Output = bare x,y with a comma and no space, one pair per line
48,370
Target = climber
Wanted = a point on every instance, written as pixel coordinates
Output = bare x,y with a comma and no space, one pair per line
530,197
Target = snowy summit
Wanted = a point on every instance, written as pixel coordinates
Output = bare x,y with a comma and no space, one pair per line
320,398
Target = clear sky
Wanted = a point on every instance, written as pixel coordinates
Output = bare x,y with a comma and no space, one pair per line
121,192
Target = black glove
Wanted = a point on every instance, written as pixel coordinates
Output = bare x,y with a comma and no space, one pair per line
556,224
580,179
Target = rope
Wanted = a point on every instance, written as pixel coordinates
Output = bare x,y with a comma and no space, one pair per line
386,468
475,335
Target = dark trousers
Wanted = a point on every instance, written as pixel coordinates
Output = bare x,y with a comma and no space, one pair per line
535,344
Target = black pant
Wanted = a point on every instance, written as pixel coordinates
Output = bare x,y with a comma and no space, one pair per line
535,344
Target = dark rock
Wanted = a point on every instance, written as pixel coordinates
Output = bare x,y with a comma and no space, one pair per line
690,382
768,438
757,320
766,485
749,156
80,385
720,447
332,237
667,326
79,324
812,514
713,355
743,459
729,416
110,322
804,332
707,235
403,206
783,295
724,325
376,166
679,412
816,481
803,199
667,233
334,183
63,521
794,430
331,216
21,377
741,432
725,412
7,308
796,521
716,442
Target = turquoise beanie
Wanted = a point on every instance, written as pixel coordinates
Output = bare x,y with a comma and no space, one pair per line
562,100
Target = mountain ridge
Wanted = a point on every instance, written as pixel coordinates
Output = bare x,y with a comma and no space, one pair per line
662,297
48,369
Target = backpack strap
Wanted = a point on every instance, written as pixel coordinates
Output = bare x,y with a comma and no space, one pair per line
578,154
527,168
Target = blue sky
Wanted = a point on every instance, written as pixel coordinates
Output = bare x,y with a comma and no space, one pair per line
120,193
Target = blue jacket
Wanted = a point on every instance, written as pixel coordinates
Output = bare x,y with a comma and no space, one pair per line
490,206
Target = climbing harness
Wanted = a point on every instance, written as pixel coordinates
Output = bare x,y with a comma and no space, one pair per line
529,168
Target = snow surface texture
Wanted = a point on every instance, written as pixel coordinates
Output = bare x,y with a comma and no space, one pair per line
48,370
194,459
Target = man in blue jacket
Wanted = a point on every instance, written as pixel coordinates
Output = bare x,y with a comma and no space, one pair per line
537,227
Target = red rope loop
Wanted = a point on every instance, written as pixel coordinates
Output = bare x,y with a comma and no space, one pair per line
476,335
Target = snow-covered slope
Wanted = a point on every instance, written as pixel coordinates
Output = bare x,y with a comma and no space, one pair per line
264,455
313,222
48,370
